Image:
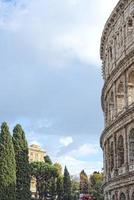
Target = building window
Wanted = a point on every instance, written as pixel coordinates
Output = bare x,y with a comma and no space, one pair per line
130,28
120,97
120,151
122,196
112,156
131,147
113,197
31,154
36,157
131,88
111,53
130,23
132,198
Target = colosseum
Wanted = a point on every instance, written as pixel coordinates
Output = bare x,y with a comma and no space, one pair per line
117,139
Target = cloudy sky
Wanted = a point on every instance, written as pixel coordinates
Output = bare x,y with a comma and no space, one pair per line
51,79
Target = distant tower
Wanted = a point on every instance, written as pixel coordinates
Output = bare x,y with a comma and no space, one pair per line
117,139
36,154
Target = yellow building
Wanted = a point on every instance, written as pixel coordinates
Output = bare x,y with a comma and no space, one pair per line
36,154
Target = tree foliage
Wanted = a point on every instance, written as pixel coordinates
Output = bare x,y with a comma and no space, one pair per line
75,186
84,183
67,185
58,167
48,160
45,175
22,164
96,181
60,190
7,165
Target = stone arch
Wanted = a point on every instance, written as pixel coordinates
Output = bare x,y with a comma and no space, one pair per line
131,146
131,87
113,197
122,196
120,97
132,197
120,151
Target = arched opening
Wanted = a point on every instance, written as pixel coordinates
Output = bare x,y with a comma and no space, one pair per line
120,151
132,197
130,29
112,156
111,53
130,23
113,197
111,106
131,88
122,196
131,146
120,97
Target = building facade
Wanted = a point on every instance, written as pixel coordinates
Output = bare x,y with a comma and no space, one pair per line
117,139
36,154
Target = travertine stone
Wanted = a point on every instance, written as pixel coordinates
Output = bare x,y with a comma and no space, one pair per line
117,139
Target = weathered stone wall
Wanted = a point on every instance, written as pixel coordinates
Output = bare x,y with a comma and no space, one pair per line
117,139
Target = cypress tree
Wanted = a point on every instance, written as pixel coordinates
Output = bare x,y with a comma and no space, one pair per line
84,183
60,187
7,165
67,185
22,164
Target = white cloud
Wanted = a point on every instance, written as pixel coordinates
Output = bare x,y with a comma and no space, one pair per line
59,33
75,166
85,150
66,141
75,162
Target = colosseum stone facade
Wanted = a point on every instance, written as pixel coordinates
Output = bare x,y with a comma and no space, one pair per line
117,139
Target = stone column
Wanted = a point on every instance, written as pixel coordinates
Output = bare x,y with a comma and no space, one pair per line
116,195
126,90
108,166
115,157
114,46
126,147
115,100
104,161
127,194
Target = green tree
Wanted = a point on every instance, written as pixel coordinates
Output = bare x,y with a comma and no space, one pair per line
60,187
75,186
84,183
53,188
7,165
45,175
67,185
48,160
59,168
22,164
37,171
95,189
